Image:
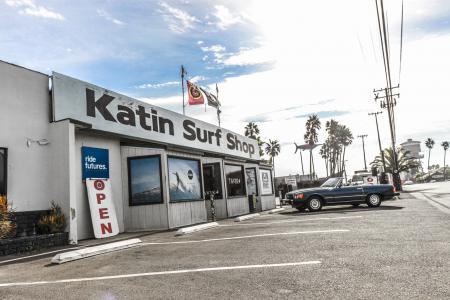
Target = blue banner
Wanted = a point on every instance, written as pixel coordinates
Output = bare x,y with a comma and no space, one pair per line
95,162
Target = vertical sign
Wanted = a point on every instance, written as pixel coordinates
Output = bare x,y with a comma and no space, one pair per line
103,213
95,162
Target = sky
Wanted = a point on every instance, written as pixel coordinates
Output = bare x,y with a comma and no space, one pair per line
275,62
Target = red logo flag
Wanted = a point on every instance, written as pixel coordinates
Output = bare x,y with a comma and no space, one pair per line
195,96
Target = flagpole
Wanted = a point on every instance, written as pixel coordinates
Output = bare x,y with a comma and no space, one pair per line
218,106
183,71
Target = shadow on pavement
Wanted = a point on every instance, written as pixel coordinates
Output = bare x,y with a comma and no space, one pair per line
342,210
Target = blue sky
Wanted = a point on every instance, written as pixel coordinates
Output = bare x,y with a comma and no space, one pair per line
135,47
275,62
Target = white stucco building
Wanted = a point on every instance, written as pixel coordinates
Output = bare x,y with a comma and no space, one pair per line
159,163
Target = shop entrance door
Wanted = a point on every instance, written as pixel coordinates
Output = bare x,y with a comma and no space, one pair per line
212,181
252,189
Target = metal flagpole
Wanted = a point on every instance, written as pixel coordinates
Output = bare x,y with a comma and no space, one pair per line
183,72
218,105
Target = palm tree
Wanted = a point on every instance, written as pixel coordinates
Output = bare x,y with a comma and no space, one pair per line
252,130
324,153
429,143
445,146
312,137
345,138
405,161
273,149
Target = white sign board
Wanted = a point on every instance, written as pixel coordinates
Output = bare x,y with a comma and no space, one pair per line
266,182
103,213
112,112
370,180
292,181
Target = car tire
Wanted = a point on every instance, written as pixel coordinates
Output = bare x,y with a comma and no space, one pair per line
373,200
314,204
355,204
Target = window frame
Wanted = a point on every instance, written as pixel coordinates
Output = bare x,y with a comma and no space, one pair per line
129,159
271,180
256,178
243,176
200,170
5,170
220,174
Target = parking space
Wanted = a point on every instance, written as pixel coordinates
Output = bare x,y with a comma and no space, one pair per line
341,252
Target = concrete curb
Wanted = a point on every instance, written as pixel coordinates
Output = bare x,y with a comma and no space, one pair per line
276,210
94,250
246,217
192,229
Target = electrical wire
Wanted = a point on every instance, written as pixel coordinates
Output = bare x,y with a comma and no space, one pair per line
401,48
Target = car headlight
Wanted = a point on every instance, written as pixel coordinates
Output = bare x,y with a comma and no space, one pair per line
299,196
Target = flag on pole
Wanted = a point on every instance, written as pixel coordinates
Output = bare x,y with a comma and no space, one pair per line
195,96
212,99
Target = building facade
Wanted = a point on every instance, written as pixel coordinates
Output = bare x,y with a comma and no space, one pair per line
56,131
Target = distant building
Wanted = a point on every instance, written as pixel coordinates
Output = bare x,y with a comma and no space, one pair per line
414,149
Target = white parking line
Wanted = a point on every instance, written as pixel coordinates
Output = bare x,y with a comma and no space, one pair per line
11,284
290,221
40,254
247,237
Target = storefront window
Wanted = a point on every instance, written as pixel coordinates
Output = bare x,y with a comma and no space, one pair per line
251,181
213,179
184,179
3,166
235,180
266,182
144,175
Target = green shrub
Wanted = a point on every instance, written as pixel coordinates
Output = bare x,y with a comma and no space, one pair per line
53,222
7,224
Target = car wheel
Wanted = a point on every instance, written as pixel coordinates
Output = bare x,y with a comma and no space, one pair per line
355,204
314,204
373,200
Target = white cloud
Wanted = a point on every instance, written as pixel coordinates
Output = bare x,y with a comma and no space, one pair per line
213,48
28,7
225,18
250,57
200,42
196,79
157,85
178,20
108,17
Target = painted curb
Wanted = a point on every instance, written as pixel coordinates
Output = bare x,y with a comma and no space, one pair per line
246,217
192,229
94,250
276,210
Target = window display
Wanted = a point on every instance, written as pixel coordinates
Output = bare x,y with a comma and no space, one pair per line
144,175
251,181
235,180
184,179
266,182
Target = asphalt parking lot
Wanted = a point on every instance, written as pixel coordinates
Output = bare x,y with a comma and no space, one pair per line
399,250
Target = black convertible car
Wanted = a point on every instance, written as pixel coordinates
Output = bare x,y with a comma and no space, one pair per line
333,192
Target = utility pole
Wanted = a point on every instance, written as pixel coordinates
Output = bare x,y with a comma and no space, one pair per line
362,136
388,102
379,142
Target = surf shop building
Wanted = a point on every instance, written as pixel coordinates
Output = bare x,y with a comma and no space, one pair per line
57,133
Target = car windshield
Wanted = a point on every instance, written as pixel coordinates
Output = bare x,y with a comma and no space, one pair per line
331,182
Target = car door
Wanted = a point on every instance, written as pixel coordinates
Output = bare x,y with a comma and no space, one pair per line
343,194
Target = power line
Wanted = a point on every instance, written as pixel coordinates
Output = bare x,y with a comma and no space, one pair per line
401,47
